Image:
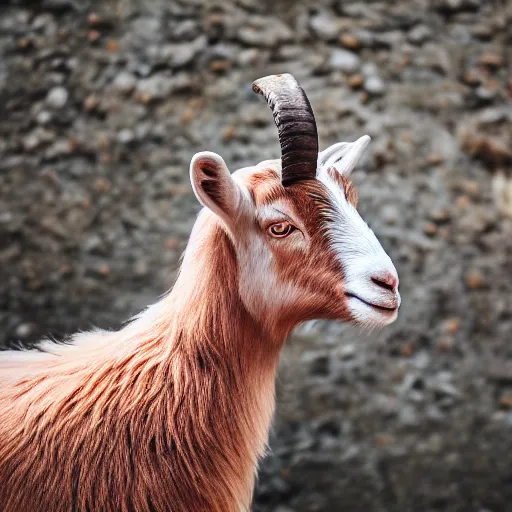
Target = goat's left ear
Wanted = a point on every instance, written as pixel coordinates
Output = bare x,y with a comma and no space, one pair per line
343,156
214,186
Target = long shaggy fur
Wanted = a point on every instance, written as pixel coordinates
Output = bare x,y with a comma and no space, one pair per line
168,414
172,412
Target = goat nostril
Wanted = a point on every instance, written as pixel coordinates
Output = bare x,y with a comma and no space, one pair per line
388,282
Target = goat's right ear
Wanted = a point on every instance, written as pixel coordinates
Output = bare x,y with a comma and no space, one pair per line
214,186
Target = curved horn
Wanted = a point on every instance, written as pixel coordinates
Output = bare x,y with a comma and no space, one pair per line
295,123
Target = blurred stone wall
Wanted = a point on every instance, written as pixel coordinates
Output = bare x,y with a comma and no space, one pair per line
103,104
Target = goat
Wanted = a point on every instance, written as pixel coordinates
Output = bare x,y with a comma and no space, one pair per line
172,412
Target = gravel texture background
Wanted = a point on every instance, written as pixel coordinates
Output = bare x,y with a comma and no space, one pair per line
103,104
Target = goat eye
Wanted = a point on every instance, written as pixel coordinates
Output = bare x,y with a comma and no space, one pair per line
281,229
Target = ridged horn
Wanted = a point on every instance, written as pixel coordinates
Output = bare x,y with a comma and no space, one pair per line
295,123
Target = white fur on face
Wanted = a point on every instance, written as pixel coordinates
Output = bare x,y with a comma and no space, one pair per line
362,258
263,292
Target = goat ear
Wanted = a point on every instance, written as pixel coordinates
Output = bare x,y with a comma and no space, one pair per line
214,186
343,156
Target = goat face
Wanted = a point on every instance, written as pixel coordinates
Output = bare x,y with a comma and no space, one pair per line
303,251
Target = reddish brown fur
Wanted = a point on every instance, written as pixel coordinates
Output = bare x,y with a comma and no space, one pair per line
172,412
346,185
174,422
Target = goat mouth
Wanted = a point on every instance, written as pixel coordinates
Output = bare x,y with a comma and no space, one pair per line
384,309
